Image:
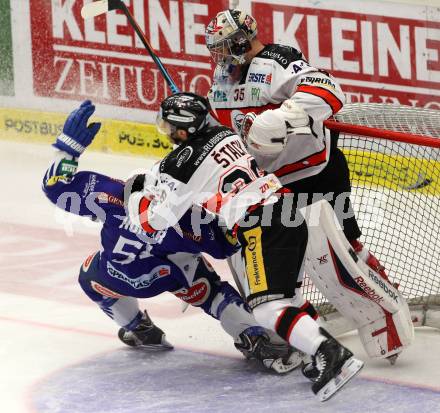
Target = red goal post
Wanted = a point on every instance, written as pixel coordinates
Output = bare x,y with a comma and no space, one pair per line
393,153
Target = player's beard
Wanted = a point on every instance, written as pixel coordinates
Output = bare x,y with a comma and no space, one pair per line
174,139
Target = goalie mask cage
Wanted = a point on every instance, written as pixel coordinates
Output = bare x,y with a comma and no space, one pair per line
393,154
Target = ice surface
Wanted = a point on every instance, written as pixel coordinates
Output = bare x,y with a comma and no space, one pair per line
181,381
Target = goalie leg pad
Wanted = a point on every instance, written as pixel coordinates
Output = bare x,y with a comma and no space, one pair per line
377,309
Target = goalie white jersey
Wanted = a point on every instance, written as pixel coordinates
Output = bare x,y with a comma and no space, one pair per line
278,73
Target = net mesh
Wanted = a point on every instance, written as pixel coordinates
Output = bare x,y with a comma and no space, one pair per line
396,198
405,119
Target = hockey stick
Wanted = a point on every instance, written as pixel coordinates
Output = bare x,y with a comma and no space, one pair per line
97,8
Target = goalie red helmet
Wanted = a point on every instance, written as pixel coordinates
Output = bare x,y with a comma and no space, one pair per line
228,36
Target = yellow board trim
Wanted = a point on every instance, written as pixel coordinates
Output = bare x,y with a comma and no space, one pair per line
115,136
396,172
254,261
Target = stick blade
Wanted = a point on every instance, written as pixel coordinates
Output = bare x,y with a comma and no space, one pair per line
94,9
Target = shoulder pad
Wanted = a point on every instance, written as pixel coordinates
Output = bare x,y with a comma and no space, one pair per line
283,55
183,161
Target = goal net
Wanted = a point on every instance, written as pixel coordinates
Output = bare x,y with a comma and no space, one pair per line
393,154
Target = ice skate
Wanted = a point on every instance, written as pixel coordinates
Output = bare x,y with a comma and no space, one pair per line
280,357
145,335
336,366
309,369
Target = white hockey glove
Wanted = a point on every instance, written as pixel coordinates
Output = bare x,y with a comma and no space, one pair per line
280,356
139,192
268,132
298,121
246,125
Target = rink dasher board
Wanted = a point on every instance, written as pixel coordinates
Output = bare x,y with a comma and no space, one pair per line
115,136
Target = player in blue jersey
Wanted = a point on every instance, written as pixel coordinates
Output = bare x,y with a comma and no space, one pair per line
133,264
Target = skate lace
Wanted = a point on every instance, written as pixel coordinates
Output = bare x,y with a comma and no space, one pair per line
321,364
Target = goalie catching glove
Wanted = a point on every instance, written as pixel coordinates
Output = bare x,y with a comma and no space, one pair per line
267,133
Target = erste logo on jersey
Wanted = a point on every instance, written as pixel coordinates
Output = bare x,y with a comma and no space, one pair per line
260,78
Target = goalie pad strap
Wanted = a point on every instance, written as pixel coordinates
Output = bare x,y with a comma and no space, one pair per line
287,321
310,310
393,339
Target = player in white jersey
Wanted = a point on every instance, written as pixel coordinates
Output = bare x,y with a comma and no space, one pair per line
251,82
211,167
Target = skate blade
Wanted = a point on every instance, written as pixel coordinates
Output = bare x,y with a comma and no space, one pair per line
155,347
164,345
350,368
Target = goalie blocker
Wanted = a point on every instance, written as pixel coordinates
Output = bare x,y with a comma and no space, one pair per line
376,308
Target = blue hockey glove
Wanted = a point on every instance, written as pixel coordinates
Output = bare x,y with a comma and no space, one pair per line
76,134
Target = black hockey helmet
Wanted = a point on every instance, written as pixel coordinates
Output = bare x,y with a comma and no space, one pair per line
184,110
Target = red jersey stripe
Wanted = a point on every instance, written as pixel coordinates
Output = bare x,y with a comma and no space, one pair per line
324,94
313,160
